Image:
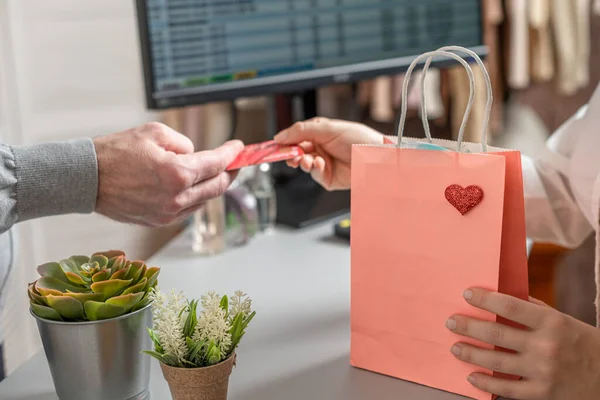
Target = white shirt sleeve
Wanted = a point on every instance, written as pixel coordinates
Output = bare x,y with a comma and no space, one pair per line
562,187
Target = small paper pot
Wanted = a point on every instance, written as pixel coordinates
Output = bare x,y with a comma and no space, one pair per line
207,383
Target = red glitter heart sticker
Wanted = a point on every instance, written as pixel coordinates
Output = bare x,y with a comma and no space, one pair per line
464,199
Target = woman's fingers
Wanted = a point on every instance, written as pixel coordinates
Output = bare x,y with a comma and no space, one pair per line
308,147
494,360
489,332
295,162
310,163
510,389
520,311
307,162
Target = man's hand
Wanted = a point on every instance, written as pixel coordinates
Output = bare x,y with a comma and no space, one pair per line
151,176
327,145
557,356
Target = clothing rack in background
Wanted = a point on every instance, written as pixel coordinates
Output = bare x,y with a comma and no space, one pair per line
533,44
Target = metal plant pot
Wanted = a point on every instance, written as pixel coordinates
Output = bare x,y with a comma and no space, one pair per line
99,360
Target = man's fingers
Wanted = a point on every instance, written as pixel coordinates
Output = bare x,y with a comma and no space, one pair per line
170,139
494,360
200,193
488,332
210,163
517,310
317,130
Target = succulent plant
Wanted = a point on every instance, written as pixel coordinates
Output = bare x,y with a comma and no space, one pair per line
105,285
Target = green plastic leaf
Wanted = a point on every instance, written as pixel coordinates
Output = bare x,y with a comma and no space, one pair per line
143,303
109,254
34,296
46,312
96,310
91,267
102,260
238,328
224,304
189,364
135,270
160,357
111,287
126,301
67,307
79,260
47,285
138,287
83,297
194,349
52,270
121,274
190,344
157,346
101,276
118,264
152,275
111,262
76,278
69,265
191,320
167,359
213,354
87,274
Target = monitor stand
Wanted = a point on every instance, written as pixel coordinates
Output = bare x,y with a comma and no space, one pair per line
300,200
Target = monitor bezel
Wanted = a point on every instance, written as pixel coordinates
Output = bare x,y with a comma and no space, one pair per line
287,83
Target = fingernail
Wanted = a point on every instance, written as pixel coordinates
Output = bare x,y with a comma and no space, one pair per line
451,324
471,380
455,350
468,294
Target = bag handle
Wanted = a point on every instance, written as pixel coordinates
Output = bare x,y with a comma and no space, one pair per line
488,104
409,72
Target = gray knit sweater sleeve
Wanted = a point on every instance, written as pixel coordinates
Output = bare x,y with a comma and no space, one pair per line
47,179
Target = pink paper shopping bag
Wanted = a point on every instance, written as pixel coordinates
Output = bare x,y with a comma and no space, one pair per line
426,225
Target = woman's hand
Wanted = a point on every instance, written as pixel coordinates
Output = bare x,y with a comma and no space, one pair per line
327,145
557,356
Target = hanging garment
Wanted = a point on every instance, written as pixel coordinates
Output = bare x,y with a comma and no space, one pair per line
518,66
583,28
433,88
433,93
397,81
381,101
565,34
493,18
459,94
542,51
364,93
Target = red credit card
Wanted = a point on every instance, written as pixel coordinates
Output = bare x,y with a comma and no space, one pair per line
266,152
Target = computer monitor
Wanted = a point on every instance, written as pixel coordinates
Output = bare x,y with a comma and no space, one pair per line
197,51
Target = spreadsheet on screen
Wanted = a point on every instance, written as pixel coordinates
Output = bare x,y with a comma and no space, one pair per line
202,43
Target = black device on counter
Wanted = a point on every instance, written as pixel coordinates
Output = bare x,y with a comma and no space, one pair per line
342,229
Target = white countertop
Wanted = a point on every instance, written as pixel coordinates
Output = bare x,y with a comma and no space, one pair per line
296,348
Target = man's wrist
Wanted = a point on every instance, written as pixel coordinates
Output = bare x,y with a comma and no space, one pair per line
56,178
